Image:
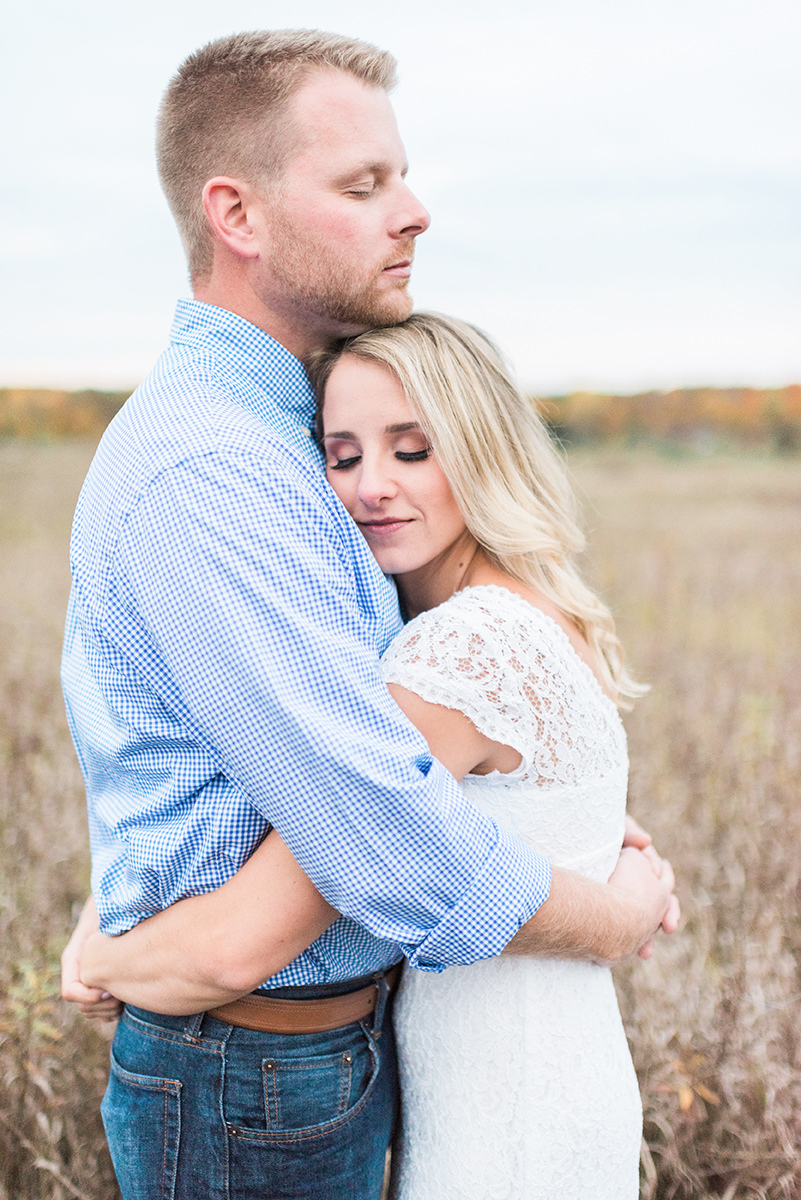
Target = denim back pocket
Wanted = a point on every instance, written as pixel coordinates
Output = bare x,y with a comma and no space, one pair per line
306,1090
142,1119
302,1092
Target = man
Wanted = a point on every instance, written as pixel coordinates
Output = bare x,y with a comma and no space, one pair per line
220,663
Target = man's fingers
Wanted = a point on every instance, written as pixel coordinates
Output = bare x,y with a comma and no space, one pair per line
666,874
670,921
635,835
654,860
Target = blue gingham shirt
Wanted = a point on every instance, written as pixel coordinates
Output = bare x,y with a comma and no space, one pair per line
221,675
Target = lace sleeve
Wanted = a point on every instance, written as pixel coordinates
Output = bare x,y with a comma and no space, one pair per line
512,671
444,660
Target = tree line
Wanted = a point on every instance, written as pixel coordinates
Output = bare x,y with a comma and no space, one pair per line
692,418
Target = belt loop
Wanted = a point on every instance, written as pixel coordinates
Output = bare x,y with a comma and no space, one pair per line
382,991
192,1030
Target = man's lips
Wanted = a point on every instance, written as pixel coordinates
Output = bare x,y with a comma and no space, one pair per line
402,269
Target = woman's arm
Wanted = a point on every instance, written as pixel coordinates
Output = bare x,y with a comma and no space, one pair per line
93,1002
209,949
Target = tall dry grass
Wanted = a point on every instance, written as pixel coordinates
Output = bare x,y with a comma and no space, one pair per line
702,562
52,1062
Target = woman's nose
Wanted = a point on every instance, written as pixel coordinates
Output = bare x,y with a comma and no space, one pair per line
375,484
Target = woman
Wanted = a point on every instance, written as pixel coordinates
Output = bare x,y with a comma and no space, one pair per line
516,1075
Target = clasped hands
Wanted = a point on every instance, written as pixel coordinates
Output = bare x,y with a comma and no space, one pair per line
636,847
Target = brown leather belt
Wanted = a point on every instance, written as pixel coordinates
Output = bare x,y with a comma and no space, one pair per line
267,1015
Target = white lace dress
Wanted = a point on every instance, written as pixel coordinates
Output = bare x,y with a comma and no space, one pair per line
516,1076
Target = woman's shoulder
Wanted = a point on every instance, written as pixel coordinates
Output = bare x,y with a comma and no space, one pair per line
455,657
490,630
524,617
478,623
497,609
460,627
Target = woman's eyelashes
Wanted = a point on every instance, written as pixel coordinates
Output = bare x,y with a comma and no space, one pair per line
342,464
352,460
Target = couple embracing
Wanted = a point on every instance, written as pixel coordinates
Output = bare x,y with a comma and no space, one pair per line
342,698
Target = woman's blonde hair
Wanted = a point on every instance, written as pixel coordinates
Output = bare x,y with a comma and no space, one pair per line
500,461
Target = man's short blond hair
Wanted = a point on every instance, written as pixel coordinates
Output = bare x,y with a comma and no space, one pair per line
225,113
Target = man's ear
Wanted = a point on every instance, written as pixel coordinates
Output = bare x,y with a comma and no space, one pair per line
228,207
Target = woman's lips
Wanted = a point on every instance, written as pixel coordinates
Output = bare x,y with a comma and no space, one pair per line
384,527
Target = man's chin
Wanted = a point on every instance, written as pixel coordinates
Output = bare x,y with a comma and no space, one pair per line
383,313
391,310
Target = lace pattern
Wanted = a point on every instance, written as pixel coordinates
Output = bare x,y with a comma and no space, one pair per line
516,1076
513,671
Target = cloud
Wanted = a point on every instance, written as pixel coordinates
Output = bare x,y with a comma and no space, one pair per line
614,188
24,246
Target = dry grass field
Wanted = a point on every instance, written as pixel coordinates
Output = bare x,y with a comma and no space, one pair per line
701,559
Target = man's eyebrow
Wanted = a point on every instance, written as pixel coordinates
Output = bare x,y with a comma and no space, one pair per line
371,167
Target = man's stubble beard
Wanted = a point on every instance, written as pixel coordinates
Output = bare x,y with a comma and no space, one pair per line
314,280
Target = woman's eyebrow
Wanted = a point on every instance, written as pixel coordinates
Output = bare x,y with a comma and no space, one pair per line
348,435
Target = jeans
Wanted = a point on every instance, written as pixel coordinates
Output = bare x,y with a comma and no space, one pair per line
197,1109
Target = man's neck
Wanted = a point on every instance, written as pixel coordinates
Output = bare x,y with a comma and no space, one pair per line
243,302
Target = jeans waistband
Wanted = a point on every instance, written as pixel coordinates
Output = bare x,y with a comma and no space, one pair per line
318,991
313,991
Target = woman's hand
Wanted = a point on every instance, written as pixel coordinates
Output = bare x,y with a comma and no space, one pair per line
209,949
93,1002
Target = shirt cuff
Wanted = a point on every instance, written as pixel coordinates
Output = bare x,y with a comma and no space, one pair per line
515,881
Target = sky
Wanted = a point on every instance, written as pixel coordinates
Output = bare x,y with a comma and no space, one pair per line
615,185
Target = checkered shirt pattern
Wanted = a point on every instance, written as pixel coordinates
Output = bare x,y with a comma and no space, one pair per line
221,676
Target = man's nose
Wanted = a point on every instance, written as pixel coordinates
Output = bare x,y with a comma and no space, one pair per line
412,218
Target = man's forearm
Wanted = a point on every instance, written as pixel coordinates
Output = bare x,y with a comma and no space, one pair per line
598,922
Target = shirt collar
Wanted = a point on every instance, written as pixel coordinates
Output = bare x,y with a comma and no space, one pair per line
257,357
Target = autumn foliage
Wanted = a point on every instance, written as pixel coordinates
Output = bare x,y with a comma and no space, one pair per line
693,418
698,418
43,414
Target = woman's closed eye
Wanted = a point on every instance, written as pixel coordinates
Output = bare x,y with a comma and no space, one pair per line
344,457
343,464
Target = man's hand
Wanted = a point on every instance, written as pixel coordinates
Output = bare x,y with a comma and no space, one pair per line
630,879
636,836
91,1001
601,922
